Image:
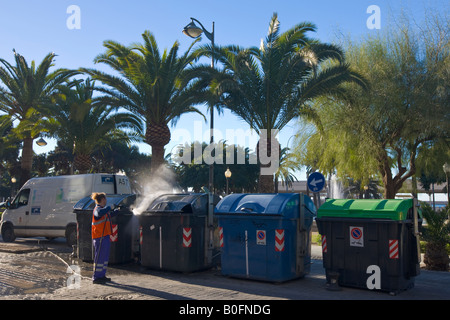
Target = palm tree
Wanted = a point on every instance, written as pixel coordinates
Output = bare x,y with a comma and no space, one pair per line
271,85
9,144
288,164
156,87
368,190
26,89
85,124
437,235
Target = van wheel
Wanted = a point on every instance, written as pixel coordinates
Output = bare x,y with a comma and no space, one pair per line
71,235
8,234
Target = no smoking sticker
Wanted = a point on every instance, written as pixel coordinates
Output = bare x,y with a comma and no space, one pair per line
356,236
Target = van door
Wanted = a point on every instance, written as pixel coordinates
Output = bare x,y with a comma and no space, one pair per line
19,212
40,220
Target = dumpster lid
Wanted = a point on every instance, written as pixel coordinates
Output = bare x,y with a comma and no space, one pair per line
393,209
181,203
283,204
111,199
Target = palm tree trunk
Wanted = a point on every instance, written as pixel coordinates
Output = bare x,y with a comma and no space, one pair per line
82,163
157,136
27,160
265,183
157,157
436,257
264,150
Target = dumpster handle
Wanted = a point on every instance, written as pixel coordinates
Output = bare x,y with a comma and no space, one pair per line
246,254
313,213
247,209
160,247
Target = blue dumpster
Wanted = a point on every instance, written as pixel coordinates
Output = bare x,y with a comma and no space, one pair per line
265,236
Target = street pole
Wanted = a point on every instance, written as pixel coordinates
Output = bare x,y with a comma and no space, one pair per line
193,31
211,130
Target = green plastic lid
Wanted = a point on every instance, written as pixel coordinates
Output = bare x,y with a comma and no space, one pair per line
393,209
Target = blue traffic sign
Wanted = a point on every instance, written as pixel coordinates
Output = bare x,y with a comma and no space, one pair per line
316,182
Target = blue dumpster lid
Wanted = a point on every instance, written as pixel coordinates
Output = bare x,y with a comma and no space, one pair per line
283,204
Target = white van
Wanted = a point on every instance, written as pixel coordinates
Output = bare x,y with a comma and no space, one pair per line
44,206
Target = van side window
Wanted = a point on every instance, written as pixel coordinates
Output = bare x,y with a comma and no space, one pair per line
21,199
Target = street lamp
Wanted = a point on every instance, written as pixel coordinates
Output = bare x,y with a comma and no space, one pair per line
41,142
446,168
13,181
194,31
228,176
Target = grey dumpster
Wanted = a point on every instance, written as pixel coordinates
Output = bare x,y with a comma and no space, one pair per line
122,224
175,234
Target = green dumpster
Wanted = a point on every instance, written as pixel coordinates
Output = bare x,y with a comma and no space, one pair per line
371,244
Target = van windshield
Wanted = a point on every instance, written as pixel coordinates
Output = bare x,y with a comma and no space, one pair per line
21,199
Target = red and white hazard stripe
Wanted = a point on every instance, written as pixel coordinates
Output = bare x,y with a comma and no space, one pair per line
324,244
187,237
221,236
141,239
279,240
393,249
115,233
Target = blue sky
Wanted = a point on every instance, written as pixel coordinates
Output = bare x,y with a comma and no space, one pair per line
35,28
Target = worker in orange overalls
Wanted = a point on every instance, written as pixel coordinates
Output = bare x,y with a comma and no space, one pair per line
101,231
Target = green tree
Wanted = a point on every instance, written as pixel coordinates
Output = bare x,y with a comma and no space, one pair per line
430,160
9,144
194,174
380,131
41,165
61,159
155,86
9,156
26,89
271,85
288,164
84,123
437,235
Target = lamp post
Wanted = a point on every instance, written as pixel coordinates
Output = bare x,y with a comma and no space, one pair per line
446,168
194,31
228,176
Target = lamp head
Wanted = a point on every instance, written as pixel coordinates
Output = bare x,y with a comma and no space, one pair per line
446,168
192,30
41,142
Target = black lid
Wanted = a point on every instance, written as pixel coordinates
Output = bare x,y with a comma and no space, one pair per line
111,199
194,203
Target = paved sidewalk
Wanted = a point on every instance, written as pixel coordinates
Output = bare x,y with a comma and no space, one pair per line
210,285
134,282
